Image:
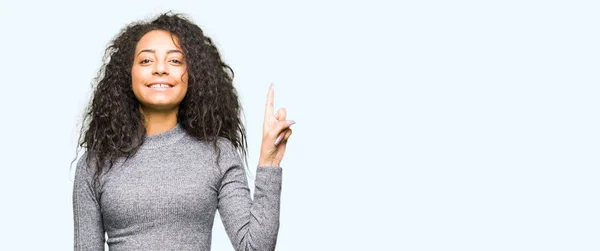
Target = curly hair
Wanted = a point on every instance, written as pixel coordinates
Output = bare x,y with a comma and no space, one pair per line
113,126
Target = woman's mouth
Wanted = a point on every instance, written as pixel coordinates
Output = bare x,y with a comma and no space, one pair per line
160,86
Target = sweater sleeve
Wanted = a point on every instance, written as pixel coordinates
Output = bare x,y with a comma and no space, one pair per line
89,230
250,224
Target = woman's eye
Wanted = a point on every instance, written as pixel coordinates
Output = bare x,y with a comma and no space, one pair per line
145,61
176,61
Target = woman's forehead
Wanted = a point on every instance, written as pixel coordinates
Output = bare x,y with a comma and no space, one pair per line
158,41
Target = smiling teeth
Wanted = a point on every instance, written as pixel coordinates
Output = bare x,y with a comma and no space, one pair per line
160,86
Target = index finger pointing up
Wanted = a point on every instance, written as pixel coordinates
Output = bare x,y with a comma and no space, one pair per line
270,103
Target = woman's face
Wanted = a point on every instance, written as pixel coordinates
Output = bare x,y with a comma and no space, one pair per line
159,74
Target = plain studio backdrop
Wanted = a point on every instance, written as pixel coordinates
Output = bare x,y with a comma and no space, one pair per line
421,125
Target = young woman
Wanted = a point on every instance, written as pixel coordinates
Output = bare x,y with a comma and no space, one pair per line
164,144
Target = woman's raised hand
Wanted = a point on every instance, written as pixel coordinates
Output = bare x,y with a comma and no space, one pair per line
276,132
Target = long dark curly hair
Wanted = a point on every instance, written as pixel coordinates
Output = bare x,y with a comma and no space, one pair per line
113,126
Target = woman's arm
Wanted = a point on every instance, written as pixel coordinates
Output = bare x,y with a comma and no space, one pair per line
89,231
250,224
254,224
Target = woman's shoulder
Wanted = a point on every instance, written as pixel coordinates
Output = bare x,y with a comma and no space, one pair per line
86,165
222,152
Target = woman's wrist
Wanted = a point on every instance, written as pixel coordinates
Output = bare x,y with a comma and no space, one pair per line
268,162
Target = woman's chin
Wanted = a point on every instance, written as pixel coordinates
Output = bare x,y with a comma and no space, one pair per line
160,106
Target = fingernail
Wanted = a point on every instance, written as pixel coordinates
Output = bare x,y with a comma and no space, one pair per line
272,86
291,122
279,138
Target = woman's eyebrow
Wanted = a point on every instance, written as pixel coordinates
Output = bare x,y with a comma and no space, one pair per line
154,51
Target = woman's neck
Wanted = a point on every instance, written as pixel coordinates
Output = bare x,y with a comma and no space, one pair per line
158,122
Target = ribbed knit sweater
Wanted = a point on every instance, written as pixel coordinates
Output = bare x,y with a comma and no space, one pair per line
165,198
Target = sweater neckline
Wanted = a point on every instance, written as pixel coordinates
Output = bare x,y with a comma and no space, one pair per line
164,138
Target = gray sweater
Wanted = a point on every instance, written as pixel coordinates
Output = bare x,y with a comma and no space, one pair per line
165,198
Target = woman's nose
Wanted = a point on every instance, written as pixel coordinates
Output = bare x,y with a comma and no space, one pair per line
160,68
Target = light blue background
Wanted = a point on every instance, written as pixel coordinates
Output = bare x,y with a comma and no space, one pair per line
421,125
